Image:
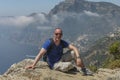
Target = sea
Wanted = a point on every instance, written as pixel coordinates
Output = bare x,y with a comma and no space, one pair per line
12,52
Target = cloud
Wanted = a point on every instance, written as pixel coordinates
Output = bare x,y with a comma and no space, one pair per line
89,13
40,18
56,19
22,21
63,16
16,21
44,27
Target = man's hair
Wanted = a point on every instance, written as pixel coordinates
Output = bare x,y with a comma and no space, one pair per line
58,28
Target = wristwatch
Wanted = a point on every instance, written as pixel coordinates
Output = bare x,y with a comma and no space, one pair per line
78,57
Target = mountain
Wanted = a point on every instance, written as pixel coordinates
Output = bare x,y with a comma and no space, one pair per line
79,6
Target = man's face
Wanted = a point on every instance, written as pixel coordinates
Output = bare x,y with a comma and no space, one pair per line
58,34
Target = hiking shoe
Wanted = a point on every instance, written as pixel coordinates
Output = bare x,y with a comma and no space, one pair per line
89,72
83,71
86,72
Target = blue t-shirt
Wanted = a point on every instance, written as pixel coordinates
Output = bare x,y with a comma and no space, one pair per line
55,54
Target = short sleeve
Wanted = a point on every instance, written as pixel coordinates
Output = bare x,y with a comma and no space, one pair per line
65,44
46,44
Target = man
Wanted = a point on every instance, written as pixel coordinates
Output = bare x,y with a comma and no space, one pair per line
55,56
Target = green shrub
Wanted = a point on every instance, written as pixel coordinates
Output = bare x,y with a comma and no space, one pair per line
114,64
92,68
114,49
106,62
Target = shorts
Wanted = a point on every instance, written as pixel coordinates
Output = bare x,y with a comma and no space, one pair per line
66,63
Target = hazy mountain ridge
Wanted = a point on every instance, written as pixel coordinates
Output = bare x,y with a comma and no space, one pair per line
79,6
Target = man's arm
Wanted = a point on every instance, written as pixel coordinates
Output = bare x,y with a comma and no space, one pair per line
71,47
79,61
41,53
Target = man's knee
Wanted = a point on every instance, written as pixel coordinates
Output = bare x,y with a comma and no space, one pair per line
68,56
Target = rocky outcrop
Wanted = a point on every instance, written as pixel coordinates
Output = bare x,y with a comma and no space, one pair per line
42,72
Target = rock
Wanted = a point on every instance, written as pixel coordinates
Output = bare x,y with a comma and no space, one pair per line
42,72
108,74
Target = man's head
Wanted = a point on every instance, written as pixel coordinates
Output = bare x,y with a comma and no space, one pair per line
58,34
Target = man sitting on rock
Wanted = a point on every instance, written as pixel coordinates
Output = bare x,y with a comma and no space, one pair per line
55,58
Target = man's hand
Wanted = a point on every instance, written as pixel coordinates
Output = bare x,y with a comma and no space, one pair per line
79,62
30,67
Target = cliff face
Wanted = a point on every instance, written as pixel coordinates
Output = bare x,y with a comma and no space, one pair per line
42,72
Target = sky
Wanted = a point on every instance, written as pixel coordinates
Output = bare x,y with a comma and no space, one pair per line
26,7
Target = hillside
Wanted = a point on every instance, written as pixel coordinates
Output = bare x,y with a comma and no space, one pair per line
99,51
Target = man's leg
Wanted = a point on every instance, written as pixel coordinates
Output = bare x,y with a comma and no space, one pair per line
65,63
70,57
63,66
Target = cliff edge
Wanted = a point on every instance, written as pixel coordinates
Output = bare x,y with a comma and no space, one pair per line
42,72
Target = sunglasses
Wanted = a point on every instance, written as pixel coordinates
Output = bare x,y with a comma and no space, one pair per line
58,34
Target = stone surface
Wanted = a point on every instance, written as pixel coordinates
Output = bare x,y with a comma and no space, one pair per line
42,72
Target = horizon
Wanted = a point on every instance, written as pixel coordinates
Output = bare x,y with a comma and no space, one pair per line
22,8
